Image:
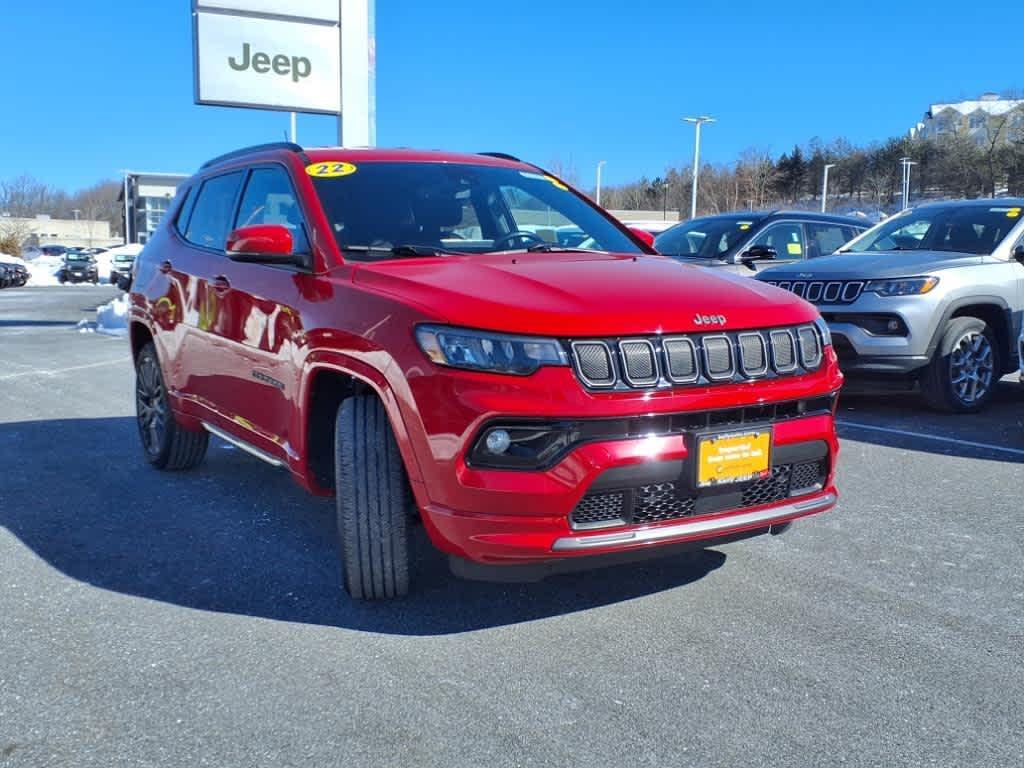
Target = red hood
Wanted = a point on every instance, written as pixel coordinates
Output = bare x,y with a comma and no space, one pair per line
582,294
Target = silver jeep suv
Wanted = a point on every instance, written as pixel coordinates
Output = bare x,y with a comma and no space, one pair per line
933,296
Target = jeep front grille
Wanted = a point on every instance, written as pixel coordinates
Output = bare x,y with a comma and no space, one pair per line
728,356
822,292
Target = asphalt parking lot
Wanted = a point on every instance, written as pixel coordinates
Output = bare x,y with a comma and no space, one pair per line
196,619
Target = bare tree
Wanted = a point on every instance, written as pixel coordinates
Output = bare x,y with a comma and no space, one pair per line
13,235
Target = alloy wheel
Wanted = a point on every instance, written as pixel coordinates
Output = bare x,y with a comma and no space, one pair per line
150,405
972,367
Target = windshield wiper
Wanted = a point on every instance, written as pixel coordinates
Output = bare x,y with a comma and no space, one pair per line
554,248
412,251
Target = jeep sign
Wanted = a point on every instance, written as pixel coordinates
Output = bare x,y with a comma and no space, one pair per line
246,61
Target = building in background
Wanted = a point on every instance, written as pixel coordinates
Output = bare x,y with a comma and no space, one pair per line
146,197
980,119
71,233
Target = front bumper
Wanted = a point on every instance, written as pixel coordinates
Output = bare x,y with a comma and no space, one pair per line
520,517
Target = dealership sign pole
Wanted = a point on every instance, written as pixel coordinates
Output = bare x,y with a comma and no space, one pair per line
314,56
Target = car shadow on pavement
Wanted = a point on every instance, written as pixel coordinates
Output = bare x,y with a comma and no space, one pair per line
37,323
236,536
898,420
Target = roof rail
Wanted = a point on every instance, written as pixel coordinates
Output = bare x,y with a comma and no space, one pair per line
501,156
250,150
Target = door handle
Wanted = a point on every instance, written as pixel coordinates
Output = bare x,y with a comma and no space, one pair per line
166,266
221,284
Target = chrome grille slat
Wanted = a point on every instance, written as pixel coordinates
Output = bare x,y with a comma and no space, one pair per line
835,292
656,362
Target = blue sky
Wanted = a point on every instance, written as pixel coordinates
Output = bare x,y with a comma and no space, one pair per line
94,87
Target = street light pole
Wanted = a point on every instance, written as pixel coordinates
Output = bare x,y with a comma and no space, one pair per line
697,123
824,186
906,162
600,165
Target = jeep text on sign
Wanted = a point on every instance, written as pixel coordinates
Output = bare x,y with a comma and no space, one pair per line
271,64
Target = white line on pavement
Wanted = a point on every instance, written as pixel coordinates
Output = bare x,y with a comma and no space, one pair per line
936,438
59,371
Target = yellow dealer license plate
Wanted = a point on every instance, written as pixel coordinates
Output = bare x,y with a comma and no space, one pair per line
734,457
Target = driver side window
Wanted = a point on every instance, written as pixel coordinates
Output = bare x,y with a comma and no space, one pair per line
786,238
269,199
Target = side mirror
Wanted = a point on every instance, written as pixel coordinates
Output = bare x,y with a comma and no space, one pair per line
261,244
1018,253
758,252
640,234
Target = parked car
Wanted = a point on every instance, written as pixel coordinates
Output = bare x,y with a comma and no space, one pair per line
748,242
78,267
12,274
535,405
121,260
932,297
52,250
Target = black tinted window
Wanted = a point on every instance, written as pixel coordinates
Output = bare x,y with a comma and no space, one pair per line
186,209
270,199
457,207
211,217
707,238
824,239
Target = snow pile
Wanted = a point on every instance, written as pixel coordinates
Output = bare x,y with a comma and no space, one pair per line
6,258
43,271
112,317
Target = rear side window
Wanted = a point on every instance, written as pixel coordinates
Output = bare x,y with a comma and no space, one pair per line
186,209
823,239
270,199
211,217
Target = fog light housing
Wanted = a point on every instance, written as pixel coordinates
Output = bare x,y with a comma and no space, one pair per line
522,446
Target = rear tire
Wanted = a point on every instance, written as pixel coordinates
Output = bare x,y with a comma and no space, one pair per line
370,494
166,444
964,371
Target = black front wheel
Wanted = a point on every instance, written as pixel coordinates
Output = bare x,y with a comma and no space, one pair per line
372,501
166,444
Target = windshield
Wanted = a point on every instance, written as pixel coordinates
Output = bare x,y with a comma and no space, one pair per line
974,229
709,238
457,208
78,257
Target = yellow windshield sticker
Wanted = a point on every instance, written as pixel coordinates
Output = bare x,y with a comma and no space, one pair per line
744,226
794,249
330,170
1013,213
544,177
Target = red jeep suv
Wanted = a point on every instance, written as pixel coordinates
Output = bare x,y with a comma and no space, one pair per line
412,333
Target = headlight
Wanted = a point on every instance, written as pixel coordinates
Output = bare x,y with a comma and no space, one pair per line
901,286
486,351
826,334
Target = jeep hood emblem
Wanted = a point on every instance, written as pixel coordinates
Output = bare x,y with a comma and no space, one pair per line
709,319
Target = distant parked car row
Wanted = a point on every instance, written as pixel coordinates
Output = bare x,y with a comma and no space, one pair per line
12,274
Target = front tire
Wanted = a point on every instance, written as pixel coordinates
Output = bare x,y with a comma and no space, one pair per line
964,371
166,444
370,494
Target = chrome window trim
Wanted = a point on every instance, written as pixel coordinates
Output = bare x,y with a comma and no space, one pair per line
668,366
625,366
579,367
